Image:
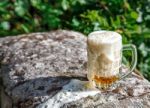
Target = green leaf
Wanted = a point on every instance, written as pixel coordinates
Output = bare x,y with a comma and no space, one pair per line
3,6
21,7
36,3
134,15
20,11
142,48
5,25
96,26
82,1
75,22
25,28
65,4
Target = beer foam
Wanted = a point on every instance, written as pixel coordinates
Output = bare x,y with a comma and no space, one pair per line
105,42
105,37
102,56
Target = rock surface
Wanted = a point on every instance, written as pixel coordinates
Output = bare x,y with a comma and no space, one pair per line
36,68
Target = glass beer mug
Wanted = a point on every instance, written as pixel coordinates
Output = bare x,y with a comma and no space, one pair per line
105,57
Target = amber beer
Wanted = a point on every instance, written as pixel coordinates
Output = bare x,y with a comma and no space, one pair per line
104,58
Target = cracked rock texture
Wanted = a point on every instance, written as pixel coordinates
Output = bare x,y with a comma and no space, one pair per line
35,67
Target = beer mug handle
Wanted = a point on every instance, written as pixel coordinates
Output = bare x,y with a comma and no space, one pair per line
132,48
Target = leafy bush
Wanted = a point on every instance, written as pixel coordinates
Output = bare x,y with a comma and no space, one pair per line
130,18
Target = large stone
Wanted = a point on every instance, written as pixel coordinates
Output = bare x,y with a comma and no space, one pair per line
48,70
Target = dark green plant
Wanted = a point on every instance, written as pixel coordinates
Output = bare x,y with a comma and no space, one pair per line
130,18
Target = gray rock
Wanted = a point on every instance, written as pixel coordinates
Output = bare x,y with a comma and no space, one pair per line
36,68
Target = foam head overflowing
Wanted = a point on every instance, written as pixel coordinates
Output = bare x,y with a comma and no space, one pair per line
104,54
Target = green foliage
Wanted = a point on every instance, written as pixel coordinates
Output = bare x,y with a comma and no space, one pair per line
130,18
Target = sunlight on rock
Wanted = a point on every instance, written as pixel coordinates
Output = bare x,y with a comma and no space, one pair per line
73,91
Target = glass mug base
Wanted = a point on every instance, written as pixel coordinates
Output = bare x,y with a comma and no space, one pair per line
104,82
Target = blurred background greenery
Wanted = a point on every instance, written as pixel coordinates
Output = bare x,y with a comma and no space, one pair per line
130,18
